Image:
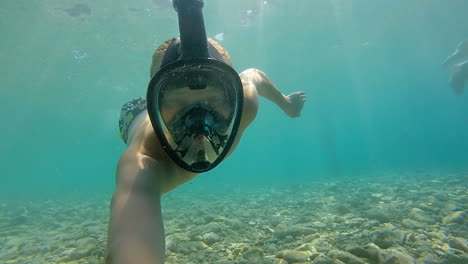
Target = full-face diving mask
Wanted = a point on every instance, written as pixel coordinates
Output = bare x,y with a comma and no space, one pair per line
195,99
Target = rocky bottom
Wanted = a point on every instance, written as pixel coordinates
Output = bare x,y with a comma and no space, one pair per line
396,219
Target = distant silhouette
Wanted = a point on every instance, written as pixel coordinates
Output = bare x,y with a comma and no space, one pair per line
459,77
77,10
460,70
460,52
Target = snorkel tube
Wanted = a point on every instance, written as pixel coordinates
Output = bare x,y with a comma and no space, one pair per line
192,28
194,142
193,42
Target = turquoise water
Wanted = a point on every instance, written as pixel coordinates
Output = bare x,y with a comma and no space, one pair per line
378,99
377,162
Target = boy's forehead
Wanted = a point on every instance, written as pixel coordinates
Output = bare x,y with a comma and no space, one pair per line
208,90
187,96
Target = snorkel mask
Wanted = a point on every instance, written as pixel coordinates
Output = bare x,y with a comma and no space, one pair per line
195,100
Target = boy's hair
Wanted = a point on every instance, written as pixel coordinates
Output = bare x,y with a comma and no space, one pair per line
159,54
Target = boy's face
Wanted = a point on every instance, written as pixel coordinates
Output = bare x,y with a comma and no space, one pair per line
177,99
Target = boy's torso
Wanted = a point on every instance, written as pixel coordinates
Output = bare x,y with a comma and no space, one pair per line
142,137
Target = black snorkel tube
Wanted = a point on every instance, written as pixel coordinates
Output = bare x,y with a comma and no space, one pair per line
193,61
193,42
192,28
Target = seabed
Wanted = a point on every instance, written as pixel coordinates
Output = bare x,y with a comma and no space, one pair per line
399,218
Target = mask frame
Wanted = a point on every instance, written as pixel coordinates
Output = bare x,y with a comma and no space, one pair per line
159,124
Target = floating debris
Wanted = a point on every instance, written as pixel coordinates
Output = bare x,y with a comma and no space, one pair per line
79,54
77,10
365,44
134,9
219,36
248,16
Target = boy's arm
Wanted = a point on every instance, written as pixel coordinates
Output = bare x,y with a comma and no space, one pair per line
136,233
291,104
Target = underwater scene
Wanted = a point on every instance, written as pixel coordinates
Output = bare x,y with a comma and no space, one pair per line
341,134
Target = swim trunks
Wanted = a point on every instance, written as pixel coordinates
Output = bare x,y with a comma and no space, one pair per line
129,111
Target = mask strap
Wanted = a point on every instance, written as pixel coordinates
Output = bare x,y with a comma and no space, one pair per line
172,52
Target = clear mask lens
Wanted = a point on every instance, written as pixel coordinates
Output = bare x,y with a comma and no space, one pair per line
198,109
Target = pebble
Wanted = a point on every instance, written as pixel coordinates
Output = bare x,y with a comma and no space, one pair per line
211,238
457,217
395,257
422,216
293,256
369,251
386,238
345,257
322,259
410,223
380,214
458,243
254,255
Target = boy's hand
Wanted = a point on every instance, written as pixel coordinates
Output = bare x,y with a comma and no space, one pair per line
295,103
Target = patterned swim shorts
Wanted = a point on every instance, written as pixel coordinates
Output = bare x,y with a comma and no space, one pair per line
129,111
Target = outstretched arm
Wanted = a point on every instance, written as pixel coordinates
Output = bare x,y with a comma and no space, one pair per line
291,104
136,233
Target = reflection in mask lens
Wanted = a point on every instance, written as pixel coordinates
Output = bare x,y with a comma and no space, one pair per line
198,121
